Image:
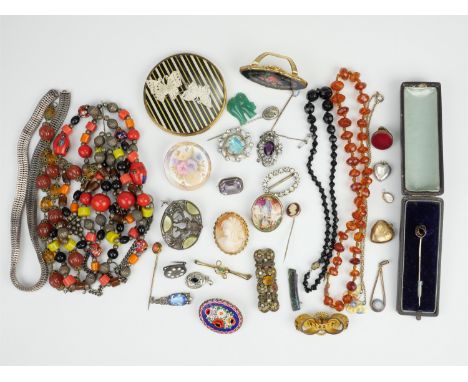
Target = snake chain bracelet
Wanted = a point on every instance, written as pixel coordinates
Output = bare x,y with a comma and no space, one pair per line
26,190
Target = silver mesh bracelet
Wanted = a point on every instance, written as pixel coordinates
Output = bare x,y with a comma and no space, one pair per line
26,191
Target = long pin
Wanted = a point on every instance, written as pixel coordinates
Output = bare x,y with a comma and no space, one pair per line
157,247
282,110
420,232
292,210
303,141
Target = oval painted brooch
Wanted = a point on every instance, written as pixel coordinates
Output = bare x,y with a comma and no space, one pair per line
220,316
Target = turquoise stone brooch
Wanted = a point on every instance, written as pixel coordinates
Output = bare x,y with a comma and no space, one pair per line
235,144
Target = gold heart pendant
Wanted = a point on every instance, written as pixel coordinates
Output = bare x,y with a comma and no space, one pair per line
381,232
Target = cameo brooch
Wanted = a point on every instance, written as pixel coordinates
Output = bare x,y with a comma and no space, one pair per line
231,233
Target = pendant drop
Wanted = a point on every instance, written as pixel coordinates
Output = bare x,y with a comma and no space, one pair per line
269,148
196,280
377,304
270,113
381,232
388,197
382,171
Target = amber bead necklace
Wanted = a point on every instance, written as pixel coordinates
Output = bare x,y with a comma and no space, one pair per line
360,293
359,160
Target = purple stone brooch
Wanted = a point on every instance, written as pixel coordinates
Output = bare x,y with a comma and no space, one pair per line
268,148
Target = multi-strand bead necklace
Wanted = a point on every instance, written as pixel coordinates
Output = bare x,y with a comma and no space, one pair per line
110,197
359,160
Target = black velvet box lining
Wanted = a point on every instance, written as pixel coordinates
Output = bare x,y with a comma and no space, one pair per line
415,211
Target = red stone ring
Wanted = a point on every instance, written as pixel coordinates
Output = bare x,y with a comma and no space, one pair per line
382,139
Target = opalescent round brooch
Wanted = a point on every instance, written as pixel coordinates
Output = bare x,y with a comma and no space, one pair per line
220,316
187,166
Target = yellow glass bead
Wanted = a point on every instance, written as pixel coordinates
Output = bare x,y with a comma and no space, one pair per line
99,149
70,245
118,153
46,204
147,212
112,237
53,246
84,211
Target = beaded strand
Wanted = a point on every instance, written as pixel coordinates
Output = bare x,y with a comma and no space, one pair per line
359,161
116,169
331,215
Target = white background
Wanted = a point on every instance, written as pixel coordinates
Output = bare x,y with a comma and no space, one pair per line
108,59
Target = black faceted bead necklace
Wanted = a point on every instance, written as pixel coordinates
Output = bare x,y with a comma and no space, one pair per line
329,209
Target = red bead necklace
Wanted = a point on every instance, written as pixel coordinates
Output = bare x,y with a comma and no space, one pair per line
109,199
359,161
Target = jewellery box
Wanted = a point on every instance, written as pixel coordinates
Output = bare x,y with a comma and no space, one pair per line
421,210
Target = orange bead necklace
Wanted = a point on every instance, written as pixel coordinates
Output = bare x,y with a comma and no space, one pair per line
359,160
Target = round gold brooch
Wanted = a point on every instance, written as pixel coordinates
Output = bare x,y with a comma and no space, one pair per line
185,94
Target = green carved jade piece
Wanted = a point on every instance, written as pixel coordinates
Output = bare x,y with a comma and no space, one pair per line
241,108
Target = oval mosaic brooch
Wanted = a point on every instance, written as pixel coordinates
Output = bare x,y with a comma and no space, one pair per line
220,316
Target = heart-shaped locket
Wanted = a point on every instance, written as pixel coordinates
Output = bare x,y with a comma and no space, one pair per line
382,171
381,232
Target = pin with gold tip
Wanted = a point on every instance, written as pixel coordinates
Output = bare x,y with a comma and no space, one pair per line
292,210
157,248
